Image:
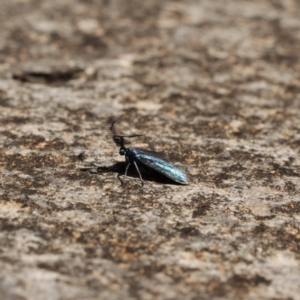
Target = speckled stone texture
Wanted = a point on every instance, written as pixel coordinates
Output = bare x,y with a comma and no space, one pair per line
215,84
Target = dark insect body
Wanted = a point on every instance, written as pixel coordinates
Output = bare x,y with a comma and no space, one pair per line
136,157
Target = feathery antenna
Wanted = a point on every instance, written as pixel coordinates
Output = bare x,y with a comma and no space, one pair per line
119,140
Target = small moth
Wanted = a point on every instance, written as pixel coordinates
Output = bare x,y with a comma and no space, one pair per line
142,157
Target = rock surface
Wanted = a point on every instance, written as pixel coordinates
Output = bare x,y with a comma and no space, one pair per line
216,85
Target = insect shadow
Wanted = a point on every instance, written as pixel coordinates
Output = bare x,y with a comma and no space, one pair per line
120,168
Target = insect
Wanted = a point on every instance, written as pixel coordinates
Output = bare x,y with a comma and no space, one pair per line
142,157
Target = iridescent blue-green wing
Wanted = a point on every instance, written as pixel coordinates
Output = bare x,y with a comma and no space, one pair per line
161,155
162,166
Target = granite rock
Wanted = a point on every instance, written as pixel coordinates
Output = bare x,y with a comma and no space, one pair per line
213,84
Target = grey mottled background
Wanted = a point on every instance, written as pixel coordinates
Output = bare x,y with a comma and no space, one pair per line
215,84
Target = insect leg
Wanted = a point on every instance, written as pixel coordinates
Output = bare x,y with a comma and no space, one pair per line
120,179
139,172
127,167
